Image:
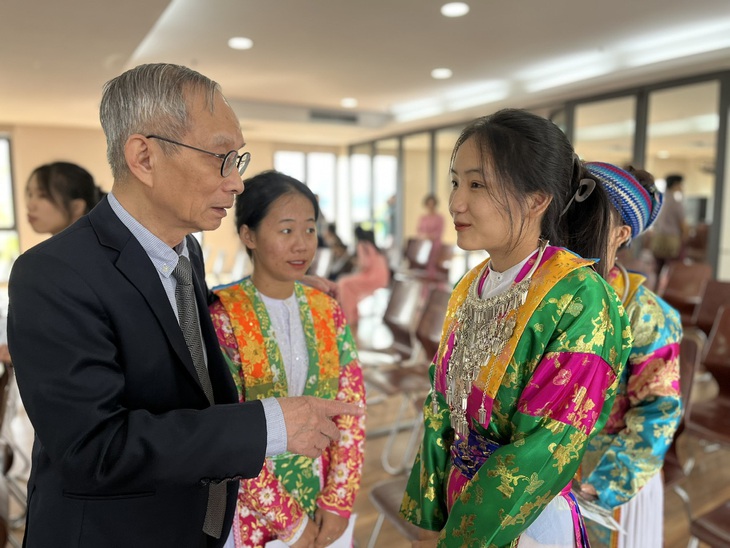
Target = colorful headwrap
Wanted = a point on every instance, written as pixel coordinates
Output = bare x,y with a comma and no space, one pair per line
638,207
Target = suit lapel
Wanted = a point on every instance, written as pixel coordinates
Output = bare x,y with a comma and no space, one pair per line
135,265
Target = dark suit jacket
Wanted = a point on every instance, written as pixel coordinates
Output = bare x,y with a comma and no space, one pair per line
125,439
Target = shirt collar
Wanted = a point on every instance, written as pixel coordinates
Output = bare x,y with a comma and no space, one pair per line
163,257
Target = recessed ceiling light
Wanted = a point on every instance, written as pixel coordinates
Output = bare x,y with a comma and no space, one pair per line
454,9
663,154
239,42
441,73
348,102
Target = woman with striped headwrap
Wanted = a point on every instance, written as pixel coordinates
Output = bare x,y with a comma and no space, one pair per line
621,468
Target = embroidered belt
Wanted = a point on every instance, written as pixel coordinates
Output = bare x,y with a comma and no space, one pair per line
469,453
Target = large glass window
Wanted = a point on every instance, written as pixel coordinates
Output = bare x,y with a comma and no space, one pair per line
416,179
361,184
318,170
321,177
604,130
682,138
385,182
9,247
445,141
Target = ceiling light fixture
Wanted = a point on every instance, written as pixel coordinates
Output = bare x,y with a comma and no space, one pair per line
454,9
348,102
239,42
441,73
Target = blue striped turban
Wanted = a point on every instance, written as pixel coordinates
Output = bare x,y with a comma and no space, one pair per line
638,206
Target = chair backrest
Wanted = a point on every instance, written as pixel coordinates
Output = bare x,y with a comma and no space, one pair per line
680,284
714,294
429,327
684,281
444,257
417,252
716,356
403,312
690,351
322,262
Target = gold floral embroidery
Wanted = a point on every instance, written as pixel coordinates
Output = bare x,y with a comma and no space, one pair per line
564,454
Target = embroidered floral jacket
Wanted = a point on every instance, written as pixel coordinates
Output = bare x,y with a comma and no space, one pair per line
274,504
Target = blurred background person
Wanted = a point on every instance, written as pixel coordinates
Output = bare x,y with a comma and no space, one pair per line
431,227
282,338
670,230
621,469
371,272
58,194
342,261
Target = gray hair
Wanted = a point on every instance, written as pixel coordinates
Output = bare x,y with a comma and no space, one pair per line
149,99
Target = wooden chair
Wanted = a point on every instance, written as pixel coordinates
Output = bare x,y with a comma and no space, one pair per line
712,527
386,496
417,253
710,420
674,473
444,256
680,284
713,295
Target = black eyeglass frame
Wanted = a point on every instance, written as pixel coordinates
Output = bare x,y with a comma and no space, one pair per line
241,162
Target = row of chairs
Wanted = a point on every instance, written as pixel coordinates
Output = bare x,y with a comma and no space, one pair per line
703,350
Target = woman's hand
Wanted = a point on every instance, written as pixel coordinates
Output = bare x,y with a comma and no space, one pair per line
587,491
426,539
331,527
308,537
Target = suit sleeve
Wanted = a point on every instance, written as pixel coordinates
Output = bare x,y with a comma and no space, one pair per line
107,433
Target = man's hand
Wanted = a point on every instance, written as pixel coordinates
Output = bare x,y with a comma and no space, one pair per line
309,426
331,527
323,284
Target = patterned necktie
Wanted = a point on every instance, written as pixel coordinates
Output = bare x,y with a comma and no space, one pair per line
189,323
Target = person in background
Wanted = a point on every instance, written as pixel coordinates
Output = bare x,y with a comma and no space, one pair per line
533,345
139,436
297,342
342,261
58,194
621,469
670,230
431,227
371,272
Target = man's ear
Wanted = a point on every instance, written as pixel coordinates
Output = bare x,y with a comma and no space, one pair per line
141,158
248,237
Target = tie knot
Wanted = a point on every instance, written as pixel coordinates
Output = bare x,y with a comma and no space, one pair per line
183,273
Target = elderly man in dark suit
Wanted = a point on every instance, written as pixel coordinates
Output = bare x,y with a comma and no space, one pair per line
139,436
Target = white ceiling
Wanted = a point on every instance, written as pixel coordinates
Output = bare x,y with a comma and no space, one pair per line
308,55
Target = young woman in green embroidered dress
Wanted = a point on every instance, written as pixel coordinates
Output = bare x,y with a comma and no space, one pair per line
532,345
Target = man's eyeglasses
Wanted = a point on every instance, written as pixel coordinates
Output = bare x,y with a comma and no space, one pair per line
228,160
